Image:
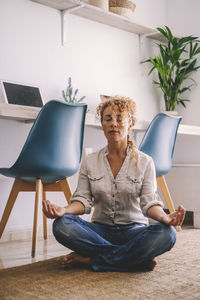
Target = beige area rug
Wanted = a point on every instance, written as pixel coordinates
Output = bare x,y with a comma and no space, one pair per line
177,276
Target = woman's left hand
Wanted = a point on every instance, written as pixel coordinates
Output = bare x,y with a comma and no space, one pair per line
176,218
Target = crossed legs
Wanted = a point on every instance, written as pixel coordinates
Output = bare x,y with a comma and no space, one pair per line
112,248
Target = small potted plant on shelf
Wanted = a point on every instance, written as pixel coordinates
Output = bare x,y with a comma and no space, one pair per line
175,63
69,95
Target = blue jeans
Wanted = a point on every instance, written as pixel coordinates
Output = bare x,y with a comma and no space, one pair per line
114,248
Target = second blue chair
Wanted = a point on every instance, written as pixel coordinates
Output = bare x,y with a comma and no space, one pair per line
51,153
159,142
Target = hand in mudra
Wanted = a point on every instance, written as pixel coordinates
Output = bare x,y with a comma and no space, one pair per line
176,218
51,210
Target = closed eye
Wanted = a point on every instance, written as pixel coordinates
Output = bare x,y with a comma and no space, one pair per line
109,118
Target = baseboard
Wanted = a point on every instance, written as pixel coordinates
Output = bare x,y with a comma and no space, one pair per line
24,234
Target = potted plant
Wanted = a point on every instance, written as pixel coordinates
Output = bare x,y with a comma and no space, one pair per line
175,63
69,95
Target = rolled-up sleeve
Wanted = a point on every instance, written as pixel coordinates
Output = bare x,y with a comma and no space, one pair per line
82,192
149,196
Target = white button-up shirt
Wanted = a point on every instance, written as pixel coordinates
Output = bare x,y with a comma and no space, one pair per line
124,199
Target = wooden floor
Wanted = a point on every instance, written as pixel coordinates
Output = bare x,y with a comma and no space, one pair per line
16,253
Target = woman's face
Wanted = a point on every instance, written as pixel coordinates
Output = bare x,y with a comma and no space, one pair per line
115,124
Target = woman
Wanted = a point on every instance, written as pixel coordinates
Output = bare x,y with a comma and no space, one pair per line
119,182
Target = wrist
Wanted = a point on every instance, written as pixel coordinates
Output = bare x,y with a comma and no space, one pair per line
164,218
66,210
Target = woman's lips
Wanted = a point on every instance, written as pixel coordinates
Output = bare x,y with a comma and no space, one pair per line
113,131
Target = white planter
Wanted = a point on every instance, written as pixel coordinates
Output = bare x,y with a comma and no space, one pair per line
171,112
103,4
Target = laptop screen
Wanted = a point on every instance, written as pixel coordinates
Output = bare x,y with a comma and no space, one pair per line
22,94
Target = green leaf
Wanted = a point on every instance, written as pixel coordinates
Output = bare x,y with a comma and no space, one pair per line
175,63
163,32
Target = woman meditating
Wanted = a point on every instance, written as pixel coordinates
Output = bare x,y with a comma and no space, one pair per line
119,183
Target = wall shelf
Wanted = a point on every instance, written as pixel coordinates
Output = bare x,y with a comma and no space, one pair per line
18,112
58,4
159,37
108,18
98,15
93,13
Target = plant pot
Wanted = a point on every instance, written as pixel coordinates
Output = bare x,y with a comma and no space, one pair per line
103,4
171,112
124,8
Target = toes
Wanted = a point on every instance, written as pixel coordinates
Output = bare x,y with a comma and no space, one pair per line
68,258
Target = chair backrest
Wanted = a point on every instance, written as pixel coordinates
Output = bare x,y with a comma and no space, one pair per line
159,141
54,145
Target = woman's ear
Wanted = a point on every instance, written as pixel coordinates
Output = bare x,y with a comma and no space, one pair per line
130,124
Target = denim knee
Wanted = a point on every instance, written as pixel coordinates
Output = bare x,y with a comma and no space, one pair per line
57,224
168,233
61,226
171,231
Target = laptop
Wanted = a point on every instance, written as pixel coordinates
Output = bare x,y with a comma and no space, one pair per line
20,94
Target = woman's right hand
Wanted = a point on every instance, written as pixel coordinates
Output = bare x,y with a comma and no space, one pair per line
51,210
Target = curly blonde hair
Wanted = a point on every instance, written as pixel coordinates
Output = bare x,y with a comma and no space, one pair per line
127,108
125,105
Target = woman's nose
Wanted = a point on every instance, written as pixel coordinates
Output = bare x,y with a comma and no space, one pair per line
114,122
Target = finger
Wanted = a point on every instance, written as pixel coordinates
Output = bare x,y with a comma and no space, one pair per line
175,219
44,209
178,220
44,205
48,204
182,212
51,210
54,212
173,222
182,217
48,209
181,209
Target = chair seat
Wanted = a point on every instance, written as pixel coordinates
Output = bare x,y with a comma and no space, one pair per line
29,176
161,172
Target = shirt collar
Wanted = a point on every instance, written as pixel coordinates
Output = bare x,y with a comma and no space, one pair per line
128,151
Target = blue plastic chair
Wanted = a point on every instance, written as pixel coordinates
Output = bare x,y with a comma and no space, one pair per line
51,153
158,142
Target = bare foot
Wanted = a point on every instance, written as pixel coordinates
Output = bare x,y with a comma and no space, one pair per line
75,260
146,266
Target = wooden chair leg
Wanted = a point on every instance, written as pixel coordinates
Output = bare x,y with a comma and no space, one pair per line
10,203
64,184
38,194
163,186
44,218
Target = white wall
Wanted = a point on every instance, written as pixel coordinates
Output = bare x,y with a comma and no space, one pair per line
99,58
150,12
183,17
